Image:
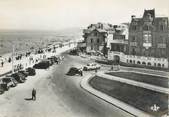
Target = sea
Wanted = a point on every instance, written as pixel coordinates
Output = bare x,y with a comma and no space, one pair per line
23,40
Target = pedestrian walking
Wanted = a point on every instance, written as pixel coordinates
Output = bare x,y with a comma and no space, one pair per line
9,60
2,63
33,94
81,73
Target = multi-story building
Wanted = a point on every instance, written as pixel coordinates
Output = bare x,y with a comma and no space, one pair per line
118,43
148,42
95,37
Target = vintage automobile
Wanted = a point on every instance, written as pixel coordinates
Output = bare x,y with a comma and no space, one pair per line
25,73
44,64
74,52
91,66
73,71
10,81
31,71
2,90
18,77
4,86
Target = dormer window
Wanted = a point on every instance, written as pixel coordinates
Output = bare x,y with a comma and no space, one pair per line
161,27
134,27
149,17
146,28
95,34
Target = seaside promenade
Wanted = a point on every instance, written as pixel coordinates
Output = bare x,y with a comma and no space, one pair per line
30,60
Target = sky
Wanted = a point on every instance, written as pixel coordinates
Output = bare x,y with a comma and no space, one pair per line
60,14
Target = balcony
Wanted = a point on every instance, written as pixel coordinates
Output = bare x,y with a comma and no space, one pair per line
161,45
118,41
133,43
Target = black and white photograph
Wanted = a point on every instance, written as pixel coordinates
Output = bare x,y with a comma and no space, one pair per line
84,58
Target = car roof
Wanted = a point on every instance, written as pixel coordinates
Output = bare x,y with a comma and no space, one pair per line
91,63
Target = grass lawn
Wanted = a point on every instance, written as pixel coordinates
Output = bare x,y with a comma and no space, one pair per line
137,97
150,79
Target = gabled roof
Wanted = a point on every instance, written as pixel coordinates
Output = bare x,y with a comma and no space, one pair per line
101,30
151,12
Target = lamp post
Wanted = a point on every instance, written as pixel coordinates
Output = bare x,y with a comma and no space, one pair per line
13,51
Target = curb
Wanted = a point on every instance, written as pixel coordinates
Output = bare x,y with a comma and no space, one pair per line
117,103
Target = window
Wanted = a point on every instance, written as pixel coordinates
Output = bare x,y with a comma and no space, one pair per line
155,64
138,62
91,47
143,63
95,34
147,40
149,64
130,61
98,40
161,27
133,38
133,51
134,27
91,40
162,65
164,40
159,65
146,28
134,61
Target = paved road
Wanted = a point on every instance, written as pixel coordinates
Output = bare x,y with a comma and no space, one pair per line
58,95
81,102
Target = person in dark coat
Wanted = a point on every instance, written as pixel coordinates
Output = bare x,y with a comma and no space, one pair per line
33,94
9,60
81,72
2,63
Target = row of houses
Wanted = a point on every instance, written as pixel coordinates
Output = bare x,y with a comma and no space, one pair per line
144,41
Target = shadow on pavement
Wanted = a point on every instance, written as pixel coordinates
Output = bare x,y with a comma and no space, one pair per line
28,99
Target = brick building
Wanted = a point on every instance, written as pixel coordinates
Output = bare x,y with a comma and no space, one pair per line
149,40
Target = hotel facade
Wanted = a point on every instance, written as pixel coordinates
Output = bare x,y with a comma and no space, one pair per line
147,43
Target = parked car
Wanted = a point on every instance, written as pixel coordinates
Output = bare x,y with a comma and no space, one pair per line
4,86
18,77
73,71
43,64
25,73
74,52
2,90
31,71
91,66
10,81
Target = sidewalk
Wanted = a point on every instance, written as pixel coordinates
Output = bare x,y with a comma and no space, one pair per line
26,62
127,108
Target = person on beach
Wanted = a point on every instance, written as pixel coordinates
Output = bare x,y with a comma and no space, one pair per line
33,94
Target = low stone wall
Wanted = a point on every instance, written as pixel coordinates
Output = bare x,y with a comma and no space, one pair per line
149,62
